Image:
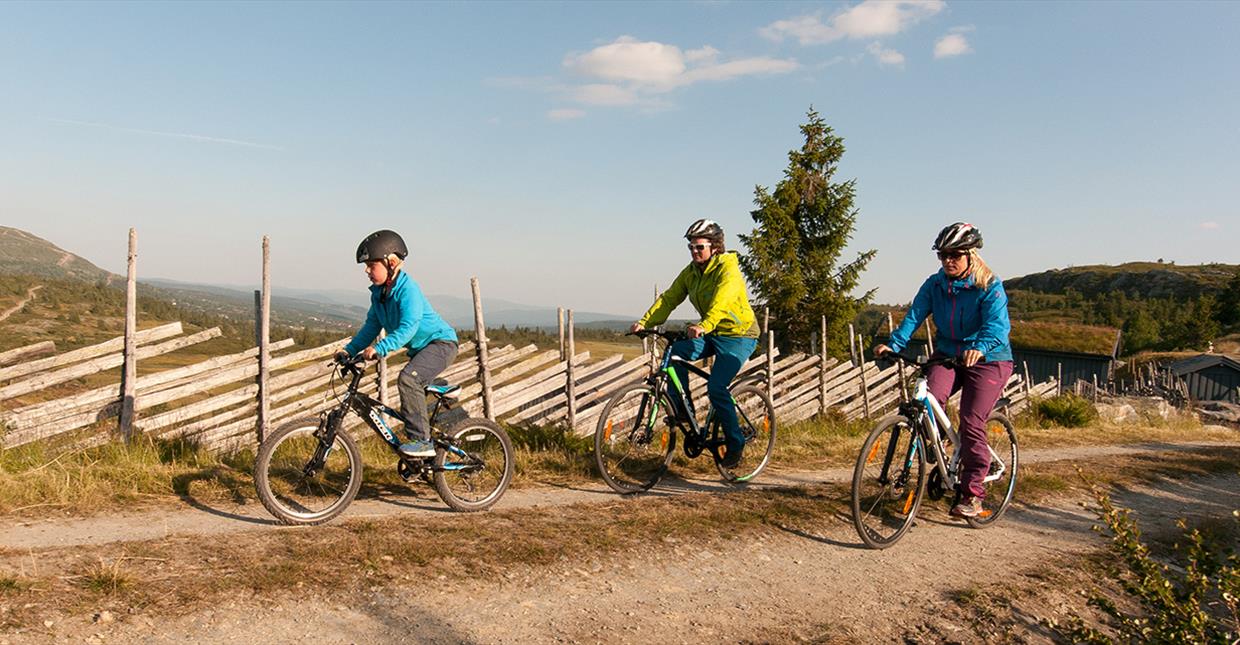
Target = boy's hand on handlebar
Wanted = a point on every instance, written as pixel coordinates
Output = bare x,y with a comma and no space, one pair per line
636,328
370,354
971,357
695,331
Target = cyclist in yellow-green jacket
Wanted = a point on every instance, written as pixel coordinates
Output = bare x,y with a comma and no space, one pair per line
716,289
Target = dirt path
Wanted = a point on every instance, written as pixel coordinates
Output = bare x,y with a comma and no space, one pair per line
787,584
204,519
21,304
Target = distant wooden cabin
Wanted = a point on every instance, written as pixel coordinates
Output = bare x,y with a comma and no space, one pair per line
1082,352
1210,377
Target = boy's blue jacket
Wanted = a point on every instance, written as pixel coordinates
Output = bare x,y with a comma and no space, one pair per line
405,315
965,316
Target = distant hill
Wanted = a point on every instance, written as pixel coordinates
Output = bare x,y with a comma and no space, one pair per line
1138,280
22,252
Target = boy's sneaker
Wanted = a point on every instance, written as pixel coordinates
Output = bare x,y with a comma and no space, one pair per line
967,507
418,448
732,458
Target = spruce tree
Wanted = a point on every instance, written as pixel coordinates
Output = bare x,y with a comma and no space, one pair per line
802,226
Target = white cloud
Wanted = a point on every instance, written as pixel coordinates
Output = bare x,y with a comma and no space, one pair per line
952,45
629,72
885,56
1210,226
871,18
565,114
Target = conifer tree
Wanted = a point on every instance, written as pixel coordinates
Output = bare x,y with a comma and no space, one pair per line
802,227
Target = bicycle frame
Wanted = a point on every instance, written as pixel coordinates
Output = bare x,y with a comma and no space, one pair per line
927,414
371,411
665,374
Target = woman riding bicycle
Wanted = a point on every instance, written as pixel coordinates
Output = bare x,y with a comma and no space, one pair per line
971,324
727,330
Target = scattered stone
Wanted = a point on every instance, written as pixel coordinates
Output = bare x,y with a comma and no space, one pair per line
104,617
49,623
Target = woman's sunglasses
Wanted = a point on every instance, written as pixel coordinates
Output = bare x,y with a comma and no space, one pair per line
952,255
698,247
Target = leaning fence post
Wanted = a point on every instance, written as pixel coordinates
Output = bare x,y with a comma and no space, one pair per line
852,344
1028,384
559,323
263,327
822,369
484,368
570,387
130,373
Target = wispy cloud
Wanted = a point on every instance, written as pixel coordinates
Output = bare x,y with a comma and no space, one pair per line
952,45
870,19
565,114
1210,226
176,135
886,56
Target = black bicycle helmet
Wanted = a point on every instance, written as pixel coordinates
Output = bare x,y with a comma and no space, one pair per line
380,244
960,236
705,228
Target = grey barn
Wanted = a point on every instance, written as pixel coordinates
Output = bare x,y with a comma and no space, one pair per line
1210,377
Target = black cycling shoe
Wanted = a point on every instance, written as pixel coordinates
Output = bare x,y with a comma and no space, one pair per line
732,458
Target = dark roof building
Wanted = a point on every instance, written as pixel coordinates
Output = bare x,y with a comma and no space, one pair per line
1210,377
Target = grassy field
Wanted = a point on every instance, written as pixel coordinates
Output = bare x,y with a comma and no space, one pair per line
36,480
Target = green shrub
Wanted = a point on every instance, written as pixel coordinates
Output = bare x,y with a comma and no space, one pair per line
1064,411
1196,599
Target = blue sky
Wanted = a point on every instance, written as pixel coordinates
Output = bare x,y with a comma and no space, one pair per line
558,151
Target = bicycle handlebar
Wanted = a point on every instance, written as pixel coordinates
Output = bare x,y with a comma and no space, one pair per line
920,362
670,336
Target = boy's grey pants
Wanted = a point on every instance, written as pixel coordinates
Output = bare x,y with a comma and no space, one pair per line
424,365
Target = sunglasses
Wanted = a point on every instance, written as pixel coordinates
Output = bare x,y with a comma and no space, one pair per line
698,247
952,255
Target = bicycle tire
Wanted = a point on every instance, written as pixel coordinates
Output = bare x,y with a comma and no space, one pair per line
470,490
283,487
883,515
756,416
1001,437
633,444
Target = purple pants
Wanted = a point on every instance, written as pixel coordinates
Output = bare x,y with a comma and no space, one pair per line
983,385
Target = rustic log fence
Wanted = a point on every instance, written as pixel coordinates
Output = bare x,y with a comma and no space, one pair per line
227,402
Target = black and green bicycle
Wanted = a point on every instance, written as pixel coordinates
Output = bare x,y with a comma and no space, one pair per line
635,439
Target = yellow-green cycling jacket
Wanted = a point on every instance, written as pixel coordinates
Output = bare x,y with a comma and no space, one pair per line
718,294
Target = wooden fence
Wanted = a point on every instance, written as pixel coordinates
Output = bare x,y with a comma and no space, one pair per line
228,402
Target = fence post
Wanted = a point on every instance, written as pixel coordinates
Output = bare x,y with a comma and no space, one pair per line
770,354
559,323
263,322
570,387
891,329
1028,384
130,373
929,340
383,375
1058,379
1095,388
865,387
484,368
822,369
852,344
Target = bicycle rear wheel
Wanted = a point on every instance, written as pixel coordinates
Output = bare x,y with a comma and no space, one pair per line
474,478
633,443
888,482
756,416
1001,478
295,489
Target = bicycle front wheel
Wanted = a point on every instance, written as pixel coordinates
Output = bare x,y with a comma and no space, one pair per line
300,480
888,482
475,472
633,443
1000,480
756,416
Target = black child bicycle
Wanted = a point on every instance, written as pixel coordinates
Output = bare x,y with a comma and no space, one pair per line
635,439
309,469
